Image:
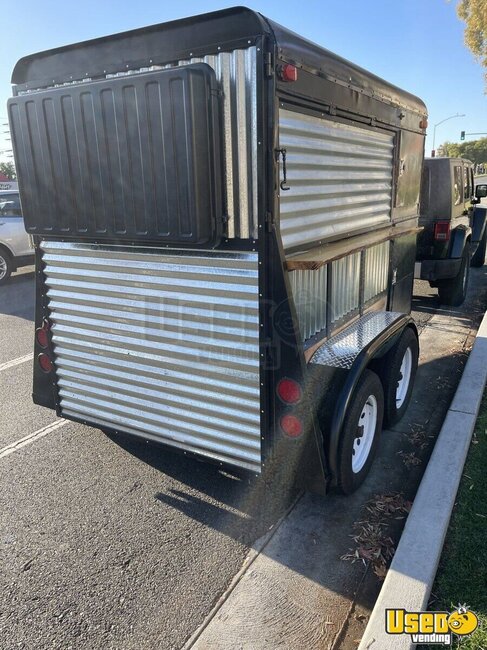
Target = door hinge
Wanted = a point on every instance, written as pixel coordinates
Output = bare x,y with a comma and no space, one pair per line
269,70
269,221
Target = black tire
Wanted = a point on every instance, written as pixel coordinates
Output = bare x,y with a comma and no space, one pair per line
6,265
452,292
390,374
478,258
369,386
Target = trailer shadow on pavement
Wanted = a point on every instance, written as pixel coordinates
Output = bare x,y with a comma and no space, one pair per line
250,507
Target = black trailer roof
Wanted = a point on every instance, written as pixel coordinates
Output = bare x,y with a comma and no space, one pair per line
195,36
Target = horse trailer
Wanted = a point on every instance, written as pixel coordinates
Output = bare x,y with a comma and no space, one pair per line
225,218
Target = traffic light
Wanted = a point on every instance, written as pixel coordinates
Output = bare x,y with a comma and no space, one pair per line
462,135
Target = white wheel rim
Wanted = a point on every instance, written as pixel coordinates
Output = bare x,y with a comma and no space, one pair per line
404,378
3,267
365,434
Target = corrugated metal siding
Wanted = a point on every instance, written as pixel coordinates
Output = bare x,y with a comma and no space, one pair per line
309,293
159,344
345,286
340,178
376,270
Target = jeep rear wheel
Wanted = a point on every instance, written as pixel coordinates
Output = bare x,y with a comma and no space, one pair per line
452,292
478,258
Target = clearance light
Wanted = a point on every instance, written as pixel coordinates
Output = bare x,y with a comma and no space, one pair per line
45,362
289,391
288,72
292,426
442,231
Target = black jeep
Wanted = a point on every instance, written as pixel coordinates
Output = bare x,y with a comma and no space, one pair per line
454,232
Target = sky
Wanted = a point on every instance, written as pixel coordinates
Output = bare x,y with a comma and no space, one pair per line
414,44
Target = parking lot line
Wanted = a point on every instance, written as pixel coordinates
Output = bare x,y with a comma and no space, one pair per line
32,437
16,362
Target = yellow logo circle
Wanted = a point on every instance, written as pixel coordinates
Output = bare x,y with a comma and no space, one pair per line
462,622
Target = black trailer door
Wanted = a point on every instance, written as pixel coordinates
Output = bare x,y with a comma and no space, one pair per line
130,158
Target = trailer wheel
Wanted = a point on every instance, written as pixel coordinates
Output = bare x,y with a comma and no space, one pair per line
452,292
360,433
478,258
398,370
6,265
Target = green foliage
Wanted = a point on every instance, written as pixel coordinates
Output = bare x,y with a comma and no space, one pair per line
474,150
474,13
8,169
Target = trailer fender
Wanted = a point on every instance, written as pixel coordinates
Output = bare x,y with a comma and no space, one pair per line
373,351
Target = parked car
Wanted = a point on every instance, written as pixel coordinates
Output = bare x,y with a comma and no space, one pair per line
16,246
454,235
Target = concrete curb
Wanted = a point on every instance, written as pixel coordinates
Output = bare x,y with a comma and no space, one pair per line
410,578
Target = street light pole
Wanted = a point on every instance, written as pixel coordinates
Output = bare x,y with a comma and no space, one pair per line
441,122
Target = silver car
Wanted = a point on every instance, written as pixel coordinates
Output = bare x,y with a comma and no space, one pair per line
16,247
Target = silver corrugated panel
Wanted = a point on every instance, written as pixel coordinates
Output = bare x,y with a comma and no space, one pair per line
376,270
345,286
159,344
340,178
309,293
236,71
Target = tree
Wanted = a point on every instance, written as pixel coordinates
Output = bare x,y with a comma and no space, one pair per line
474,150
474,13
8,170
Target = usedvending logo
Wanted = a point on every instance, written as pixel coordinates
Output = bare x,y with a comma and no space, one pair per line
432,627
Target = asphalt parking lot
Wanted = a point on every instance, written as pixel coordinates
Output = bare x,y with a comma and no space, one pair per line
112,543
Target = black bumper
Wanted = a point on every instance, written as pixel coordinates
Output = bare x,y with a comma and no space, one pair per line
439,269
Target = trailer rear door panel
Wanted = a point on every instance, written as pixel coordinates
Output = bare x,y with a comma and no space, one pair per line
134,157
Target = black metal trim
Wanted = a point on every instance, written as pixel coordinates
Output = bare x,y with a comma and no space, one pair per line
156,44
44,389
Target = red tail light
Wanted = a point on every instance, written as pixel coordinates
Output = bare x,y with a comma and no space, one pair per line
42,336
289,391
292,426
45,362
442,231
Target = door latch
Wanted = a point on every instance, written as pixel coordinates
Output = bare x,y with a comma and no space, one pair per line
283,184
